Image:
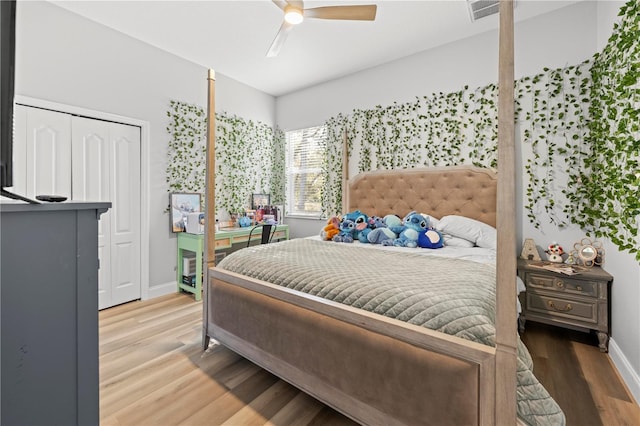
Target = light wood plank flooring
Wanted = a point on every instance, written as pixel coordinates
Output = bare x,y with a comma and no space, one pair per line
153,372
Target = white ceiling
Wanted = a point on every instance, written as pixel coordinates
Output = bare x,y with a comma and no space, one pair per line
233,37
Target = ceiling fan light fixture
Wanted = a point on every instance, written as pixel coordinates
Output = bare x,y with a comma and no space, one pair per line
293,15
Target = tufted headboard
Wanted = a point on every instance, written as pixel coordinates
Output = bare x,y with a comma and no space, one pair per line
439,191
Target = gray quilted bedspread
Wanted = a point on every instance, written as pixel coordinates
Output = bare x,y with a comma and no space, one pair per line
452,296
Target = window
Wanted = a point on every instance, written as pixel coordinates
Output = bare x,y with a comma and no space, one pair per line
305,153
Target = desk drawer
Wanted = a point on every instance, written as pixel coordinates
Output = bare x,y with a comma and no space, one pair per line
223,243
279,235
582,310
568,285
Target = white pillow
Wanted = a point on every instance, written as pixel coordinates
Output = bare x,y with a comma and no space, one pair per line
480,233
433,222
451,241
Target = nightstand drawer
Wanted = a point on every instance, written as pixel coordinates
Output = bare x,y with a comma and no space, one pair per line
585,311
569,285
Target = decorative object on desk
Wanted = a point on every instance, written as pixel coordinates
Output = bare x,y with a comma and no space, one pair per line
589,253
244,221
269,219
554,253
529,250
182,204
258,200
195,223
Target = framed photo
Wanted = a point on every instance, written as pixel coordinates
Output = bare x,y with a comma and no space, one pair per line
260,200
181,204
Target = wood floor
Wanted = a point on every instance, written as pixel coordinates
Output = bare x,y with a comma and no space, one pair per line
154,372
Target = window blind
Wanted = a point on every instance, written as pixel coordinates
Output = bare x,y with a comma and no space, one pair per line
305,155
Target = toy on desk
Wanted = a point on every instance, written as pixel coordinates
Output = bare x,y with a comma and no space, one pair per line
554,253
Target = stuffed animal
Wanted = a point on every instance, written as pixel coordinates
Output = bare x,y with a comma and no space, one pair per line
361,222
382,230
412,225
554,253
331,229
431,239
347,231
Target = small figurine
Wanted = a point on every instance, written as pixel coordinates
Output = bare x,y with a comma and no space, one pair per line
554,253
571,259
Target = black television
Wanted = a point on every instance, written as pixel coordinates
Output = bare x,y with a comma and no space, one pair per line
7,90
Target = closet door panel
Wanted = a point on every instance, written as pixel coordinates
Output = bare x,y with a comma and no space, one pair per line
125,195
90,160
91,165
48,151
19,150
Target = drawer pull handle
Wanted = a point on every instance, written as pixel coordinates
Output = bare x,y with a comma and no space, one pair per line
579,288
560,284
566,308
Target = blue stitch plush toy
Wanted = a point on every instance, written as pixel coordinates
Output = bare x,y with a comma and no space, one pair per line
412,225
430,239
361,223
382,229
347,231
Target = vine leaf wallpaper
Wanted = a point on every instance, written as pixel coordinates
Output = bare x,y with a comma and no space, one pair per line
578,127
249,157
604,191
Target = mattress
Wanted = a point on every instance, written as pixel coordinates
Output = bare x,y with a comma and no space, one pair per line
448,293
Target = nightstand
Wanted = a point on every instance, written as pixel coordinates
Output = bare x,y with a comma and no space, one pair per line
580,302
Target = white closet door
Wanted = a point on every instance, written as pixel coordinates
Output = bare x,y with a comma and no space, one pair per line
88,160
91,167
125,220
47,148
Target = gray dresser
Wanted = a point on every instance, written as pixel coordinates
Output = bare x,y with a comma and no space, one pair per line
49,297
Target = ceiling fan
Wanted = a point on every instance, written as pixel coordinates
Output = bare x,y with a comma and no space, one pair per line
294,14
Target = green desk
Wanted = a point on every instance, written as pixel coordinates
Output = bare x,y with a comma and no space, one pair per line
228,240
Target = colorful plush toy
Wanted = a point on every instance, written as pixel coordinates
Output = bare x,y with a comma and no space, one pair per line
412,225
361,223
554,253
431,239
382,230
331,229
347,231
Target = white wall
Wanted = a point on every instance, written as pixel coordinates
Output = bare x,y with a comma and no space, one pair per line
65,58
565,37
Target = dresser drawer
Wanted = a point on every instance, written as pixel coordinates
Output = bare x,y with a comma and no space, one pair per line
568,285
583,310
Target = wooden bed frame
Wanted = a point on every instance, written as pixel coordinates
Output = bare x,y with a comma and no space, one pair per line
374,369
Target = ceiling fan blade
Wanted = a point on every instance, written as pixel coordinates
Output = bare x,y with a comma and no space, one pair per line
277,43
296,3
280,3
357,12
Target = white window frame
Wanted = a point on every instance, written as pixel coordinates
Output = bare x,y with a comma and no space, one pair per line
318,133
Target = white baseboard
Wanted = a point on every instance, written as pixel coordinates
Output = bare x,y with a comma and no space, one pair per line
628,374
162,290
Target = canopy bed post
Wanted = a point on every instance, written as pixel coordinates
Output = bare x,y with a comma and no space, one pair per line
345,172
506,336
210,198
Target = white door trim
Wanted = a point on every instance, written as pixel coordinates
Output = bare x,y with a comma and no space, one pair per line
145,131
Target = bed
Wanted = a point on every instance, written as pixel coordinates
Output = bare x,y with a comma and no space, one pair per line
351,325
372,367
